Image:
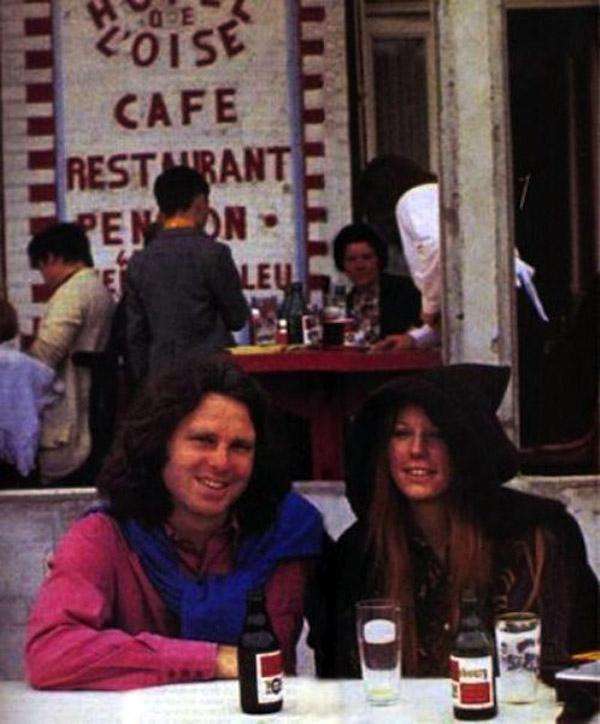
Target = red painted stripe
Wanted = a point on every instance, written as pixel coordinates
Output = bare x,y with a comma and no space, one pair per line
39,92
314,181
38,26
40,159
316,213
313,115
312,82
39,223
317,248
312,47
38,59
312,14
42,192
40,293
314,149
40,126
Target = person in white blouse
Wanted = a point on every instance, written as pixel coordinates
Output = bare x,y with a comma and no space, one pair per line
399,184
396,185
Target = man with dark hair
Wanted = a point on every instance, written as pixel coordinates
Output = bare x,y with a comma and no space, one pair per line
64,241
183,291
178,188
151,589
77,318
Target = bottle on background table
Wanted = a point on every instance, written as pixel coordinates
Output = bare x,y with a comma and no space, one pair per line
260,662
294,311
282,332
472,665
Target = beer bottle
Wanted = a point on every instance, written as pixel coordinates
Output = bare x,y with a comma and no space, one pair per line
295,310
472,665
260,663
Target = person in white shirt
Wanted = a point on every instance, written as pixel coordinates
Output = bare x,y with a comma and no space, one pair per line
394,184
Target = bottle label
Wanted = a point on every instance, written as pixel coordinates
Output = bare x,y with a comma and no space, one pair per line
472,682
269,677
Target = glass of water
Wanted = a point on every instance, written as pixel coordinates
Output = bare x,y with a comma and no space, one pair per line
378,632
518,642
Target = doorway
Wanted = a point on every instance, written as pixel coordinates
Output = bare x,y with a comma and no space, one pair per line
553,67
553,59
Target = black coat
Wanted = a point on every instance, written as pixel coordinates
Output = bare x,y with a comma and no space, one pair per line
569,592
399,304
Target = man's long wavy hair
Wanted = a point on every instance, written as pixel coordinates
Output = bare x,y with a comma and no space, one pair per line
131,479
471,551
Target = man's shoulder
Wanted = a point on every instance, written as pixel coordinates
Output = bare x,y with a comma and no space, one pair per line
85,282
166,244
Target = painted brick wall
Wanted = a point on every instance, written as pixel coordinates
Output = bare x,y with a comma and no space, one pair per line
28,147
326,145
130,87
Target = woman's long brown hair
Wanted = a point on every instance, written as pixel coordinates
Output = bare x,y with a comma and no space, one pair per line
469,559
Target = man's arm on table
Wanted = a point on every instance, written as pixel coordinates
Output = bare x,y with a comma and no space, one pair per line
73,644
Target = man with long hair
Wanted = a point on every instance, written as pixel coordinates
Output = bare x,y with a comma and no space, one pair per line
151,588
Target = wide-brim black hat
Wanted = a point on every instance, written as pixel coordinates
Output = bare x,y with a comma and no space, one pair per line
459,399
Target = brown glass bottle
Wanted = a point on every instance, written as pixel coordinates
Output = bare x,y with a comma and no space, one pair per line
260,663
472,665
294,311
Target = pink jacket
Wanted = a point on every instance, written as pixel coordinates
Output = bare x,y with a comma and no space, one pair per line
98,623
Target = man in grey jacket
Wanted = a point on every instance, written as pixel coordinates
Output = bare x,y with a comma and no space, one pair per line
183,292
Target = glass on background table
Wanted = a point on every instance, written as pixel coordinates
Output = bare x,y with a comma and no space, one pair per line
216,702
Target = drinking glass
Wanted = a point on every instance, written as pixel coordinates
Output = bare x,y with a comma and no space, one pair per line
518,642
378,632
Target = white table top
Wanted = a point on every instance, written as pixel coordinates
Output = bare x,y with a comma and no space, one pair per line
306,700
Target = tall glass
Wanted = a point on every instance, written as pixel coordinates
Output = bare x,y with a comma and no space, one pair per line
378,630
518,642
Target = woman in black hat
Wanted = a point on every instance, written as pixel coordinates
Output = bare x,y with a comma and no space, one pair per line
425,463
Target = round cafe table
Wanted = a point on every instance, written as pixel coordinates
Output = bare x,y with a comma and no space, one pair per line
306,700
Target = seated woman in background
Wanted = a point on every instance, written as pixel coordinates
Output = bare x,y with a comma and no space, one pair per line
383,304
426,460
151,589
397,195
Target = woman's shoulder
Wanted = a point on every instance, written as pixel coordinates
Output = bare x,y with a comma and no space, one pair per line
513,512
